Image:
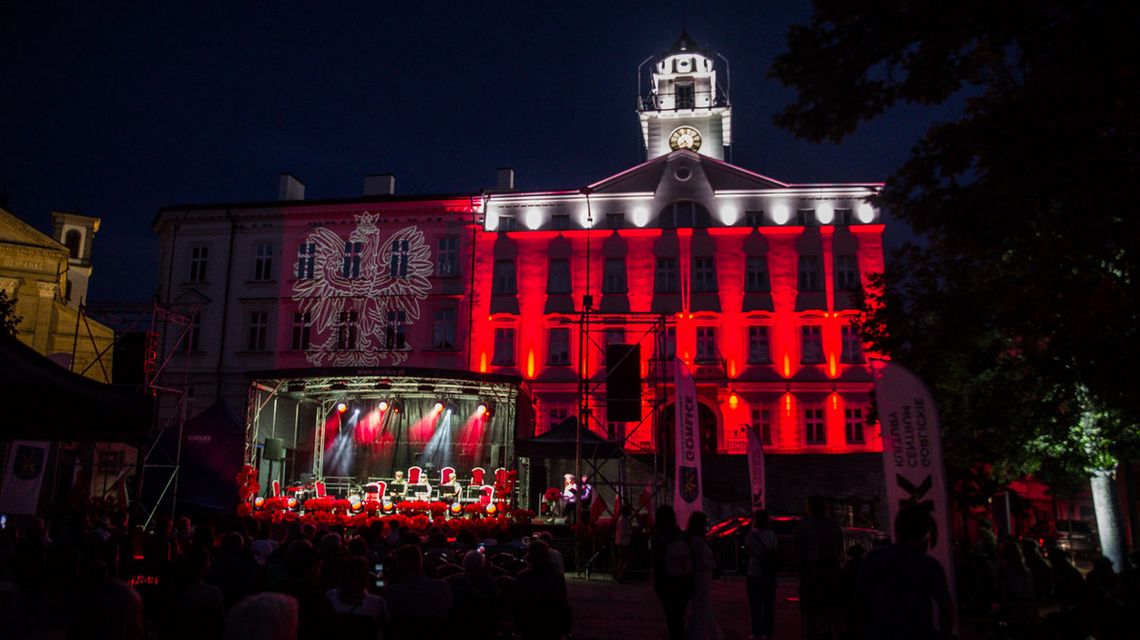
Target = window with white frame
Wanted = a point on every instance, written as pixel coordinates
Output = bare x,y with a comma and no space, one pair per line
665,276
346,331
558,277
558,346
842,217
302,329
852,347
352,252
853,425
398,262
263,261
443,329
762,424
809,279
670,346
306,259
759,347
507,223
396,323
198,256
811,343
704,274
846,273
613,276
814,429
504,346
447,257
706,344
756,273
258,330
503,282
754,218
806,217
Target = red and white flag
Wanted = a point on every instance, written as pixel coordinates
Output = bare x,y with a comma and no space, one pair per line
912,452
756,468
687,490
27,464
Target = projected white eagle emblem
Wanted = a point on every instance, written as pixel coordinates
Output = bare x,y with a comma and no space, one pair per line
361,293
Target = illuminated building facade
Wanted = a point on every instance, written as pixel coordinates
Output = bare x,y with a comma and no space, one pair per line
751,281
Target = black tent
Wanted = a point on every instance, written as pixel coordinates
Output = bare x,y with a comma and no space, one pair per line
44,401
561,443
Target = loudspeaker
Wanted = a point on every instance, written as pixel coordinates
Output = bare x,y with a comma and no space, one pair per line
623,382
274,449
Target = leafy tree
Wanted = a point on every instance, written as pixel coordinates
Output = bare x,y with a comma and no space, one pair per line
8,318
1020,304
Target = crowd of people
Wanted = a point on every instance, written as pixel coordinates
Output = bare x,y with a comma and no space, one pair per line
95,578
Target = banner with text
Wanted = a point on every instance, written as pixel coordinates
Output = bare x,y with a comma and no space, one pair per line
756,468
912,452
687,488
27,463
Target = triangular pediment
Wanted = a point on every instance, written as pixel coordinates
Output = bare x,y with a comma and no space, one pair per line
15,231
191,297
721,176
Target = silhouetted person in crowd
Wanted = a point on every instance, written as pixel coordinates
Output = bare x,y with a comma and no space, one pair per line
848,592
760,543
1068,585
303,567
542,611
359,615
111,610
1039,567
819,547
1103,606
899,582
233,570
263,616
415,601
623,538
556,559
702,621
473,598
195,608
1015,585
672,569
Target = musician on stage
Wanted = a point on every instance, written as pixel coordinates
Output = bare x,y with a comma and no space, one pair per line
399,485
569,494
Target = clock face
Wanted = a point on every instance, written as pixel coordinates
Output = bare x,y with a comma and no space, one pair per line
685,138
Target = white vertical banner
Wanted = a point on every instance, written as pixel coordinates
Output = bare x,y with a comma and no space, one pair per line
687,489
23,477
756,468
912,453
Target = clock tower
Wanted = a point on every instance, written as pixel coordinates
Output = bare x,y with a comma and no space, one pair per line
686,108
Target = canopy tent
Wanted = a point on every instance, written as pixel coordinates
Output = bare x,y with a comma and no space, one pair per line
561,443
44,401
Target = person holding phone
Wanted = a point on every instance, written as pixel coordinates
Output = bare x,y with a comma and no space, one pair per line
358,613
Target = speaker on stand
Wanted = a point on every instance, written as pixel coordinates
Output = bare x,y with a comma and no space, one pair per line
273,451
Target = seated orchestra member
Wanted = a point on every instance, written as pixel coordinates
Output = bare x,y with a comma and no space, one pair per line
455,490
399,485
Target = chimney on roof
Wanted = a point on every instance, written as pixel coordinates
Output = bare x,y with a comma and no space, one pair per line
380,184
505,179
289,187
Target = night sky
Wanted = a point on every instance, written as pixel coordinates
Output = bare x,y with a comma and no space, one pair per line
115,111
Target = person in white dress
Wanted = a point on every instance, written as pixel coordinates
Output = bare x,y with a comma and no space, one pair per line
702,621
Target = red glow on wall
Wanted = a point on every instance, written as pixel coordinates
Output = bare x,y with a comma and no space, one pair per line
530,364
483,362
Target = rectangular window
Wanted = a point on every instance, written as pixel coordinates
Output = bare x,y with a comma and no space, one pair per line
806,217
398,263
194,333
706,344
811,339
612,336
560,221
846,273
686,96
853,425
558,345
558,277
504,346
504,281
443,330
762,423
346,331
759,351
809,279
352,252
704,275
394,331
814,429
852,347
842,217
258,329
665,278
263,261
198,257
507,223
306,258
613,276
670,346
756,273
447,258
615,220
302,327
754,218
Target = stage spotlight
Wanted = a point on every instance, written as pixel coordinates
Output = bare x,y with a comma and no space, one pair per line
456,508
437,407
486,409
389,507
397,406
258,502
356,412
480,410
341,407
491,509
292,502
356,506
383,406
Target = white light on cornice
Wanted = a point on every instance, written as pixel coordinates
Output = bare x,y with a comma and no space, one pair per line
491,221
781,214
640,216
865,213
824,213
729,213
533,219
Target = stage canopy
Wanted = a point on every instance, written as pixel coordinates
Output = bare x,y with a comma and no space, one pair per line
44,401
561,443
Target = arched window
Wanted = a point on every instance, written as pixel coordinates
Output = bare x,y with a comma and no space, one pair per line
684,214
71,240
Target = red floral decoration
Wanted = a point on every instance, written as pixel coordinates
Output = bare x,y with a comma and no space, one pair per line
552,494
